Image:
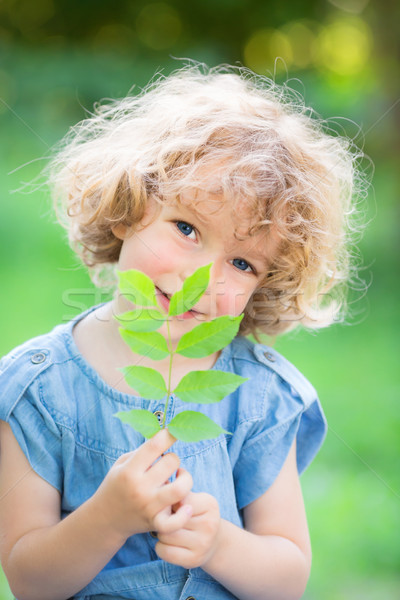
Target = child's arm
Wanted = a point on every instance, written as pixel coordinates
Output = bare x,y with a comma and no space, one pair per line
271,558
44,557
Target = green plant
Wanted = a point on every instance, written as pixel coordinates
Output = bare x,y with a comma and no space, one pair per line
138,330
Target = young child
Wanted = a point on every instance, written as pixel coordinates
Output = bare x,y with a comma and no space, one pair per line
220,167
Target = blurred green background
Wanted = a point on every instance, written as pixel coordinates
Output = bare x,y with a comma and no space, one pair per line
57,57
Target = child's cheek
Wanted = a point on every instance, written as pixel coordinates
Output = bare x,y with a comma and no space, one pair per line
149,254
232,302
164,259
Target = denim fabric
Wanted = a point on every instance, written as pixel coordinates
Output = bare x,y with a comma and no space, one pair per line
61,413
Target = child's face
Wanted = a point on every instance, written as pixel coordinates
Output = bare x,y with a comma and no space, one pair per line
180,238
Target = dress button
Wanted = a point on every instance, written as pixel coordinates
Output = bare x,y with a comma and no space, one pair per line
160,415
153,534
38,358
190,598
269,356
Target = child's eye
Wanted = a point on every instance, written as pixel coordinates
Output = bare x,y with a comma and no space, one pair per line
187,229
243,265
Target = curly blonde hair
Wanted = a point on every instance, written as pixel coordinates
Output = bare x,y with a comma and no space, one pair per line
277,157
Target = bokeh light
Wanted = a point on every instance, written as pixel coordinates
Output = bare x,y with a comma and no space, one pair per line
341,46
264,47
344,46
301,37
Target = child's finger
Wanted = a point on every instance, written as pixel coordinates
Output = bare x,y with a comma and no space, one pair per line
186,500
189,499
201,502
170,495
163,469
183,537
166,522
152,449
175,555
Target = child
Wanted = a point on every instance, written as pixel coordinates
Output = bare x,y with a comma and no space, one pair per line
213,167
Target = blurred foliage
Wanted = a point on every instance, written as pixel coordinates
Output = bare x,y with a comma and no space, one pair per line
57,58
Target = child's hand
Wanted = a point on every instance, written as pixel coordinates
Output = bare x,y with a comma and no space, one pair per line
134,497
194,544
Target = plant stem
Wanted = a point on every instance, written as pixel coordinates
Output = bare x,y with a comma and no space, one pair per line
171,356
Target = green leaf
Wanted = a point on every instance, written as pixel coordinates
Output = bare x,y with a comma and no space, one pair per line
148,382
205,387
192,426
140,420
137,287
142,319
206,338
193,288
151,344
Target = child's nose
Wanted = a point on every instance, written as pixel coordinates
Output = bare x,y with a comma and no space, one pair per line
216,273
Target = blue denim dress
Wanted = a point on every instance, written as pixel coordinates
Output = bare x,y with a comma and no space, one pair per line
61,413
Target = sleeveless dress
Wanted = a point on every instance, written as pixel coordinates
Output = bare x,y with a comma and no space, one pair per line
61,413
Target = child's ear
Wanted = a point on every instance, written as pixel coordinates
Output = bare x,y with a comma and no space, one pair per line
120,231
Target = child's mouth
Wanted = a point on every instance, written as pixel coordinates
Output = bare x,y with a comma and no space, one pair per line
164,299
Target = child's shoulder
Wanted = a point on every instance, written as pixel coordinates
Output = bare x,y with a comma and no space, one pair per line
43,362
37,350
26,363
259,361
278,405
51,348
